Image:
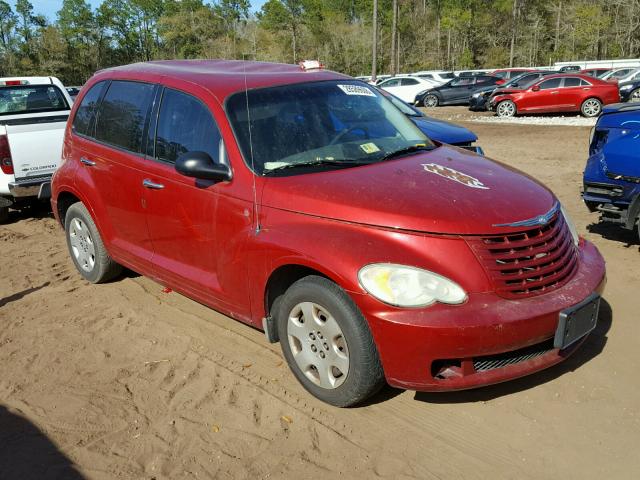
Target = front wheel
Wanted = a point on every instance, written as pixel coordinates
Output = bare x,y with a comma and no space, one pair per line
86,248
327,342
591,107
635,96
506,108
431,101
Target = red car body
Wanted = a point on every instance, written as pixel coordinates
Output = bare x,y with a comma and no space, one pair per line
538,99
446,210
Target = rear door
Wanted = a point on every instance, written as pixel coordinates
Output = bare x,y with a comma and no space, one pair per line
110,154
35,117
572,92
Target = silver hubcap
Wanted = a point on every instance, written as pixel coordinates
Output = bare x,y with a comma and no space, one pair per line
431,101
635,96
506,109
318,345
591,108
82,245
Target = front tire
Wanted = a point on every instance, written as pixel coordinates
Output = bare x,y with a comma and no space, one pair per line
4,214
431,101
635,96
506,109
85,245
591,107
327,342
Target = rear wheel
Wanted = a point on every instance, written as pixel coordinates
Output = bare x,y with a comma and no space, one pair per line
431,101
635,95
86,248
591,107
327,342
506,108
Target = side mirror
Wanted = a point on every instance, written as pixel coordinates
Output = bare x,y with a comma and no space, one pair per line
535,88
201,165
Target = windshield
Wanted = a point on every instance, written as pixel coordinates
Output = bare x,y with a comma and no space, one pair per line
524,80
318,123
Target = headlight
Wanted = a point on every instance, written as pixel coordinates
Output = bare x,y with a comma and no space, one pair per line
405,286
626,87
571,225
477,95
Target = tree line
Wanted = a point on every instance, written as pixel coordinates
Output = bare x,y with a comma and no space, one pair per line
407,35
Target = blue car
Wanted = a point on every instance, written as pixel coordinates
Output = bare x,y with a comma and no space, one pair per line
438,130
612,175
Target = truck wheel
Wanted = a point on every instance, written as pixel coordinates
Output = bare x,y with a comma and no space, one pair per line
4,214
591,107
86,247
327,342
506,108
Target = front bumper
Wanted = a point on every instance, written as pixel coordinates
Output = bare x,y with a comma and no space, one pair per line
478,104
417,346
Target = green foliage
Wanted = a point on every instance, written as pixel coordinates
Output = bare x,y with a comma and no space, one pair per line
430,33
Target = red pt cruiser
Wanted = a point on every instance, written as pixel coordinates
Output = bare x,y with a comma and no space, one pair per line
302,202
556,93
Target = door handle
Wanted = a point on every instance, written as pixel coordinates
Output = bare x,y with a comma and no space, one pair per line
554,93
149,184
87,162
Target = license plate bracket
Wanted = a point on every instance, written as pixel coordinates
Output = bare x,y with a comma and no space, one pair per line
577,321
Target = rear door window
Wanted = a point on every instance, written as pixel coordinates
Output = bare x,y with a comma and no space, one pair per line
122,114
21,99
405,82
572,82
185,124
83,122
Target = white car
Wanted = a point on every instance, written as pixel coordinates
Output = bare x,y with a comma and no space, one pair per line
439,76
632,76
618,73
407,87
33,117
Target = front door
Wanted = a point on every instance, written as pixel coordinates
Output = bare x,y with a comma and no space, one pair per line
545,99
194,225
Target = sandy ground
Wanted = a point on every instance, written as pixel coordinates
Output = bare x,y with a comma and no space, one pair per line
124,381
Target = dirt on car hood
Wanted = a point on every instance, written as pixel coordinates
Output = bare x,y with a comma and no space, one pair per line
445,190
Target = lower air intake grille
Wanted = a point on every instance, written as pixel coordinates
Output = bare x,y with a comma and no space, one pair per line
491,362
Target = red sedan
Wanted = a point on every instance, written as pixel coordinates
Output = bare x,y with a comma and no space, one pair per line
556,93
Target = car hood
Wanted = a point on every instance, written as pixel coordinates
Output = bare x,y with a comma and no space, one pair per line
444,132
507,91
446,190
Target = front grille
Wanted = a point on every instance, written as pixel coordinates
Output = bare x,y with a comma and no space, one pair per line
529,262
491,362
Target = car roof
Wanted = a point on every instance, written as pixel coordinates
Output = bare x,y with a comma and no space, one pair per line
573,75
220,77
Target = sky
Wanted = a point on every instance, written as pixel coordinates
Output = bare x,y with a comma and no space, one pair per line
49,8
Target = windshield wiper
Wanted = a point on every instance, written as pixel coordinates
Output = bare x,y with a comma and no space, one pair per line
406,151
317,161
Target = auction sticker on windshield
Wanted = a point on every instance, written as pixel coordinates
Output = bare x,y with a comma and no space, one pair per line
454,175
356,90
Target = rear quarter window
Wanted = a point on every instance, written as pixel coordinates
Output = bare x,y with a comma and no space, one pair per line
21,99
122,114
85,115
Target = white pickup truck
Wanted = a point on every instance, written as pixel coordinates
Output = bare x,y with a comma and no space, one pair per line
33,116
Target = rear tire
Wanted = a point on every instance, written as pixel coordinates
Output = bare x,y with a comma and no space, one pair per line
591,107
327,342
506,109
86,247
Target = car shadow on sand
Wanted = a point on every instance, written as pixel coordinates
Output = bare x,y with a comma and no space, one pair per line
616,233
26,453
591,348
